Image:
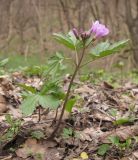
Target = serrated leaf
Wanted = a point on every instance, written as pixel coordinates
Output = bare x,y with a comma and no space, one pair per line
70,104
50,87
67,132
104,49
29,104
48,101
103,149
65,40
55,65
69,40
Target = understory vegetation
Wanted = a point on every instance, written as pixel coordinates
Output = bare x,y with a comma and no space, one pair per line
58,110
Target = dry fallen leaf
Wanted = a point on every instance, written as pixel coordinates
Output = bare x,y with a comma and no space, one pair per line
135,154
16,112
85,89
31,147
101,116
34,148
3,104
90,134
123,133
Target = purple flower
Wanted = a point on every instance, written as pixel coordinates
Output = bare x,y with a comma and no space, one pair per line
99,29
85,34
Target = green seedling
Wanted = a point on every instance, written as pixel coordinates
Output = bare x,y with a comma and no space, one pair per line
37,134
14,128
67,133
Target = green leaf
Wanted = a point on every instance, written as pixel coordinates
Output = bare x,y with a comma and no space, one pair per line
37,134
105,48
103,149
114,140
35,70
121,121
50,87
65,40
4,62
9,119
28,88
29,104
55,65
78,44
67,132
72,37
113,112
69,40
48,101
70,104
128,142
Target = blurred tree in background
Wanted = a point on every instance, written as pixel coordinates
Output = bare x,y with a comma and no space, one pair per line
26,25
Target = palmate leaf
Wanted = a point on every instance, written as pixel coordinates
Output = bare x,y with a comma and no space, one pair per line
48,101
65,40
105,48
51,86
68,40
55,65
29,104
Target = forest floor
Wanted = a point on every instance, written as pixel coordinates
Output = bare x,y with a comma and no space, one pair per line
103,124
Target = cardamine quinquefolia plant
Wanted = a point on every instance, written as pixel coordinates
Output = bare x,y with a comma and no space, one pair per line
79,41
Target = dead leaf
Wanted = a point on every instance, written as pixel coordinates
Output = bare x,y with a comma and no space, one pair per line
34,148
16,112
135,154
107,85
89,134
31,147
101,116
3,104
135,90
6,158
85,89
123,133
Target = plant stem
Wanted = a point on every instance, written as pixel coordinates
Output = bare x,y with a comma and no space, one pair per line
67,96
39,114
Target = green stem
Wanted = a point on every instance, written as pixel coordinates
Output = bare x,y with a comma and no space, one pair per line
67,96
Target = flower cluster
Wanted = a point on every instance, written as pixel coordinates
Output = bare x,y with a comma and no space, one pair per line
97,29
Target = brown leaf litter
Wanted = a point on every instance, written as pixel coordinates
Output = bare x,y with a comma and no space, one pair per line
90,121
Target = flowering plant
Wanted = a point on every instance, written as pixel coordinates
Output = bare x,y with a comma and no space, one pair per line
79,41
50,93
